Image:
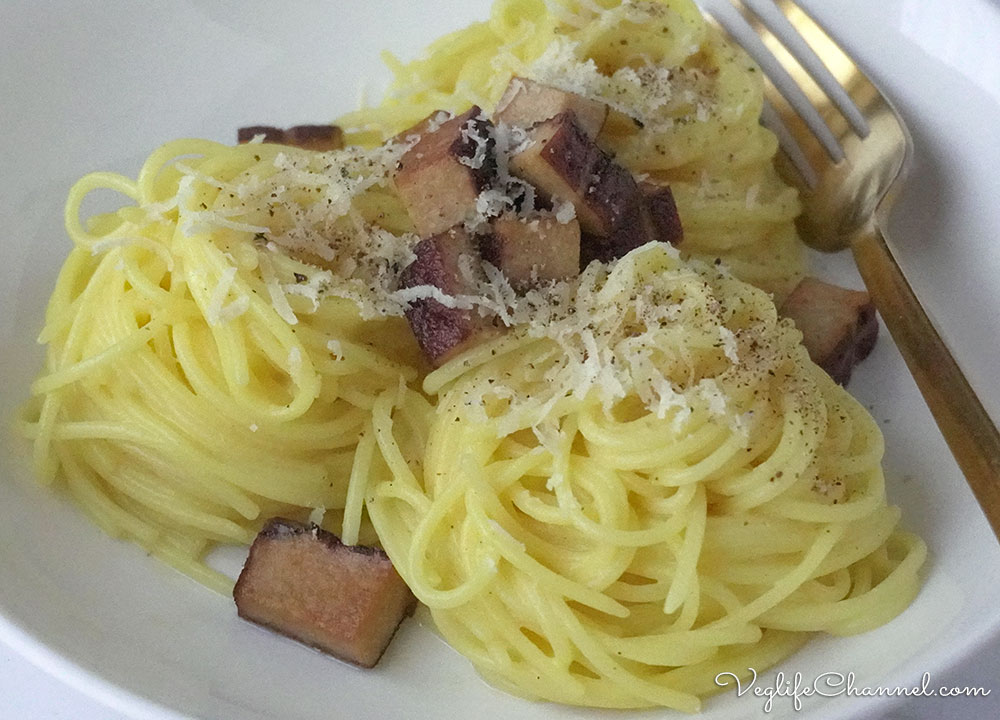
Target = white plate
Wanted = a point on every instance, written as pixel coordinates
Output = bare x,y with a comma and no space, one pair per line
97,86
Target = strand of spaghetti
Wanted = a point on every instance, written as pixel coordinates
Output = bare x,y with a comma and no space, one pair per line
68,374
862,612
361,356
701,679
138,436
358,483
62,308
78,327
649,692
166,501
197,571
151,290
382,426
84,186
418,578
513,551
233,406
395,490
104,512
44,461
437,380
152,169
822,545
687,560
642,457
746,491
865,538
233,358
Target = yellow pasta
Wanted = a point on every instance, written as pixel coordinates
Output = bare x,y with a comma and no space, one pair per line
642,483
700,112
621,548
199,380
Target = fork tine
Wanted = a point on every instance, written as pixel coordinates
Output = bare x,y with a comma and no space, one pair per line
801,167
800,43
802,153
745,29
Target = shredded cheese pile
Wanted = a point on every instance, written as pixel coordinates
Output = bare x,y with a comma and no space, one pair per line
648,325
333,211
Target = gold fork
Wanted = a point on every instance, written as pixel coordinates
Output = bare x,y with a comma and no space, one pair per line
847,151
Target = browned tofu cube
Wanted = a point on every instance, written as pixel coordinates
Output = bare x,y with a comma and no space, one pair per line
533,250
321,138
445,261
440,177
666,222
526,103
271,134
304,583
562,162
633,227
839,327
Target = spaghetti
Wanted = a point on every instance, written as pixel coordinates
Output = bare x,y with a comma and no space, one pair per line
654,489
643,483
199,379
696,97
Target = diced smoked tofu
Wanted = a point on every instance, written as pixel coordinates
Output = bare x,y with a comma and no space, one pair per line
533,250
662,213
271,134
441,176
839,327
444,261
562,162
304,583
321,138
630,224
526,103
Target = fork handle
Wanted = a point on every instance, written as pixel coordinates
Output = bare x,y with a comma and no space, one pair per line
967,428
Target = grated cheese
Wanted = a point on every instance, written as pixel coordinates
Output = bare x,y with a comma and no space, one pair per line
317,515
312,288
559,11
645,325
649,93
565,211
234,309
219,294
729,343
278,299
307,200
709,390
295,360
490,203
470,132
